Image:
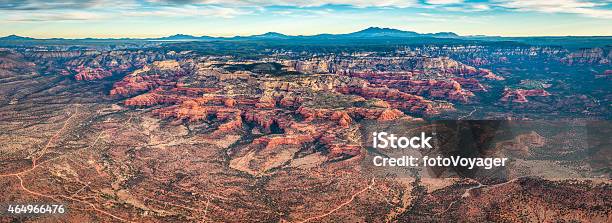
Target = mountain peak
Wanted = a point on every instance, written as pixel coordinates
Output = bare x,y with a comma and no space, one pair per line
274,34
15,37
181,36
271,35
374,29
383,32
377,32
368,33
444,34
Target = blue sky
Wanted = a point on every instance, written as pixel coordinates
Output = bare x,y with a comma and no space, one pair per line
156,18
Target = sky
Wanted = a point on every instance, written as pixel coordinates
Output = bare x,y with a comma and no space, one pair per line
158,18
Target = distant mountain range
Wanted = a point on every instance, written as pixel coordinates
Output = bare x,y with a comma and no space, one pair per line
372,32
372,35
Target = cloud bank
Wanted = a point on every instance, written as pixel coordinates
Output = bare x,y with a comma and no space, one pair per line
54,10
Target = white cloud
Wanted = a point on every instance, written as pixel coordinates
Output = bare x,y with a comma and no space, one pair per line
304,13
443,2
54,16
296,3
466,8
585,8
186,11
39,5
427,17
481,7
39,10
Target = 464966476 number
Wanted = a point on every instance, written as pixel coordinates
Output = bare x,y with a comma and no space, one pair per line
19,209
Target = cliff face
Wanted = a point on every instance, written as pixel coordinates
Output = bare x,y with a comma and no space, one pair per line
416,64
92,65
490,55
435,77
454,89
394,97
159,73
589,56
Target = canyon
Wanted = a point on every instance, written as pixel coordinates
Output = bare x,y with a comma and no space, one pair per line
234,131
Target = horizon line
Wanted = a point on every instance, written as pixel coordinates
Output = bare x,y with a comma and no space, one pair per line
288,35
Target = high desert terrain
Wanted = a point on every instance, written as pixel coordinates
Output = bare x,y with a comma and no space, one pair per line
276,128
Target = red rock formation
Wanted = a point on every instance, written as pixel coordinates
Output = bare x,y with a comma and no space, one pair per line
193,111
85,73
160,73
438,89
388,66
390,114
193,92
372,77
520,95
235,123
131,85
290,101
475,72
272,142
153,98
490,75
266,102
339,150
267,118
276,113
230,102
396,98
347,115
343,118
450,90
470,84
